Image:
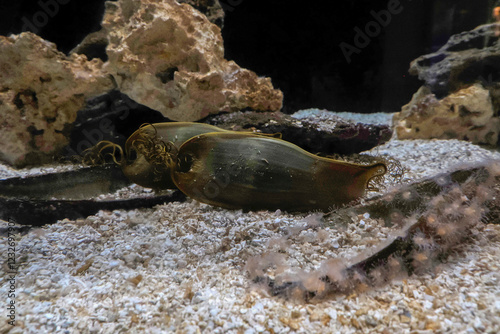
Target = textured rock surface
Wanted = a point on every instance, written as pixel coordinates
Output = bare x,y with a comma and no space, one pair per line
467,114
41,91
169,57
210,8
94,45
325,134
466,58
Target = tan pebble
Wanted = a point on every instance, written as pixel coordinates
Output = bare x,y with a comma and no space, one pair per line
404,319
355,323
85,266
415,305
134,319
343,320
383,299
432,325
481,305
415,325
435,288
437,303
315,316
136,280
295,314
361,311
293,324
390,318
325,319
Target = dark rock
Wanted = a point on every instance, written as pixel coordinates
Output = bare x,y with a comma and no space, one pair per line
342,138
468,57
112,116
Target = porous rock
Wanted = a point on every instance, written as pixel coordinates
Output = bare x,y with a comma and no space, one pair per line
41,91
331,136
212,9
94,44
468,57
170,57
467,114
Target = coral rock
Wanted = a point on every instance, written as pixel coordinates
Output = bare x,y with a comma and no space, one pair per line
211,8
170,57
468,57
41,91
467,114
94,44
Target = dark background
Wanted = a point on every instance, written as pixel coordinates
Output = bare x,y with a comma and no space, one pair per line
297,43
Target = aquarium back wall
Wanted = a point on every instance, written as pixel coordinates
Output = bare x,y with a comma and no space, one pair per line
298,45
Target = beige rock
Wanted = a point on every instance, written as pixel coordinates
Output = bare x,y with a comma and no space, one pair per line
212,9
467,114
162,54
41,91
169,57
94,44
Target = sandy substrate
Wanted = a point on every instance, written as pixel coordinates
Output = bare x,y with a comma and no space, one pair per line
180,267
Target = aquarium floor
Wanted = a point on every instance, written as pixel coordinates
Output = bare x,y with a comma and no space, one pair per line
180,267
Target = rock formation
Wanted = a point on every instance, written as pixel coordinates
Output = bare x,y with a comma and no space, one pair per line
41,91
94,44
335,136
169,57
466,58
467,114
164,55
212,9
461,94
